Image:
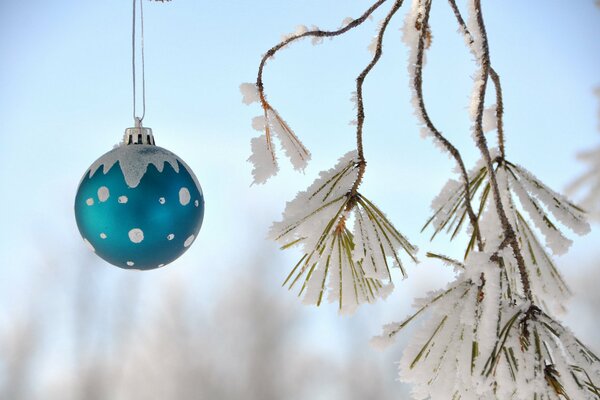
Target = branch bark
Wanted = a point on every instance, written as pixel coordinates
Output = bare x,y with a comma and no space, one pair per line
495,78
509,232
418,86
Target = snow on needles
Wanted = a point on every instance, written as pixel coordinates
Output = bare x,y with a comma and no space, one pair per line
477,343
263,157
443,356
538,204
348,267
249,93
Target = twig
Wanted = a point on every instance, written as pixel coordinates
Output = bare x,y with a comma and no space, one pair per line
499,112
312,33
418,85
495,78
359,81
481,141
360,113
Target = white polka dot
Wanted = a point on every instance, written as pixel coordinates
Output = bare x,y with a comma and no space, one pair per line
136,235
170,236
162,200
184,196
103,194
188,241
89,202
103,235
130,263
123,199
89,245
196,203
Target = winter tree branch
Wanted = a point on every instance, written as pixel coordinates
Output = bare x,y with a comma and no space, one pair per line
423,27
499,110
481,142
360,114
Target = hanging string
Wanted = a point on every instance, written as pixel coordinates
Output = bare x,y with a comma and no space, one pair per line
138,120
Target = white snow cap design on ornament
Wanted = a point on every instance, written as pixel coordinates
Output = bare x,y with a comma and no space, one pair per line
134,161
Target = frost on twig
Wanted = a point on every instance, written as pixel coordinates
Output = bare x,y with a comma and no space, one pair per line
538,204
351,267
263,156
417,35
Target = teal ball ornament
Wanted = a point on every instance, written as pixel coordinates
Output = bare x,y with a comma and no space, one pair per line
139,206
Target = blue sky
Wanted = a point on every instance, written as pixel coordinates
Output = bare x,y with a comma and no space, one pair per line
65,99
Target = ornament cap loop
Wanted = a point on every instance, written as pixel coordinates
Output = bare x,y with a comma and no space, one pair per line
139,135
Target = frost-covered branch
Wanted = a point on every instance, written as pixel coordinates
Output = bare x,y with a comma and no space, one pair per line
499,106
541,207
263,154
416,34
445,356
481,44
476,343
303,33
488,334
536,357
350,267
360,113
483,336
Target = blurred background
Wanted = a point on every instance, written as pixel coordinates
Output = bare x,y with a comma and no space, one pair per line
216,324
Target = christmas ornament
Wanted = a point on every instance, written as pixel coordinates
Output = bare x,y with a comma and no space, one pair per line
139,206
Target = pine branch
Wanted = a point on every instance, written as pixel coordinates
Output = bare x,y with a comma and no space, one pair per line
360,113
418,87
316,33
481,142
350,266
493,74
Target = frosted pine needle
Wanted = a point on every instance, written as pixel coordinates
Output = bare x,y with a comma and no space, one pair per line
263,157
445,355
538,204
349,267
535,357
